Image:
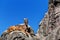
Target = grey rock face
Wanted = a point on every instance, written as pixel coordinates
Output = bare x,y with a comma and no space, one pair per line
50,25
15,35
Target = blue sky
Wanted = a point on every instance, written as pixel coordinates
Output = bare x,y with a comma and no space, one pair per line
13,12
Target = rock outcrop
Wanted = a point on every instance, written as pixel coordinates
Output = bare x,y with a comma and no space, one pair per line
50,25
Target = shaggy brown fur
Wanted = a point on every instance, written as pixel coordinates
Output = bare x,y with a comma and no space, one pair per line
21,28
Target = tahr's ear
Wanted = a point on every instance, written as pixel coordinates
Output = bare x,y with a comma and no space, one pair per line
25,21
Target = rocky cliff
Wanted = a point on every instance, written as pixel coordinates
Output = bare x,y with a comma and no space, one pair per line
50,24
